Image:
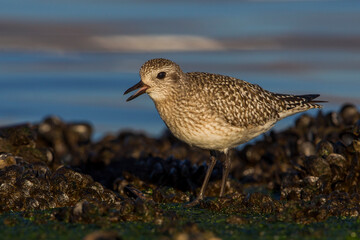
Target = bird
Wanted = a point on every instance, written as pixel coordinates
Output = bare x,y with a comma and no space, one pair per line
213,111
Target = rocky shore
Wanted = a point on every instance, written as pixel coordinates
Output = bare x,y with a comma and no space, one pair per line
306,173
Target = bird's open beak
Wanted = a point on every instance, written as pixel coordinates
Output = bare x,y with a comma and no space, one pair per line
142,89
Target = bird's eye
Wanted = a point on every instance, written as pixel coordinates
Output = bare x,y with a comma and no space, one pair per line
161,75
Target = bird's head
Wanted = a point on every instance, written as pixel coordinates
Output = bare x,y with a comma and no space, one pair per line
159,78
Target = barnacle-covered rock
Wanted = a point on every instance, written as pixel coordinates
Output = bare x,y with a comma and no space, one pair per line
305,173
31,186
324,148
349,114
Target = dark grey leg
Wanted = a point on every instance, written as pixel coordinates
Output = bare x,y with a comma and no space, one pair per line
206,180
226,169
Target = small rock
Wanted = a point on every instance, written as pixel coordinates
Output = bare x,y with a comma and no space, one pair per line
317,166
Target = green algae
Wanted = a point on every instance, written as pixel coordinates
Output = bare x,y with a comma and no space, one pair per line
191,221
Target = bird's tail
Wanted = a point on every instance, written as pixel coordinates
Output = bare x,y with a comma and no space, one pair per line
299,103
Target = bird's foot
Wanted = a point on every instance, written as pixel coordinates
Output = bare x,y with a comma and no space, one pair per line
194,202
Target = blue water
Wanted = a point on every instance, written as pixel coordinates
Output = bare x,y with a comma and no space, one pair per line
38,80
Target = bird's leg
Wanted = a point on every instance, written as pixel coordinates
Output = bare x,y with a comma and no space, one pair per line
206,180
226,169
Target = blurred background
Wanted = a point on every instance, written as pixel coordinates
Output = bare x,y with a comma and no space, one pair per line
74,59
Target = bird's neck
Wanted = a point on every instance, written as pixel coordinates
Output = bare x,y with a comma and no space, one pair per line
167,107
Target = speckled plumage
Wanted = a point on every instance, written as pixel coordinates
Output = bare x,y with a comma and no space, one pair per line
218,112
213,111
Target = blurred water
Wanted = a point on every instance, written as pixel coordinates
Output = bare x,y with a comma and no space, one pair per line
50,65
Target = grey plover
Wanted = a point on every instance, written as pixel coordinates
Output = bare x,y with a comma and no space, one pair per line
213,111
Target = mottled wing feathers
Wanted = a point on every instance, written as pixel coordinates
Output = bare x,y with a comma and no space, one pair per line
240,103
243,104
